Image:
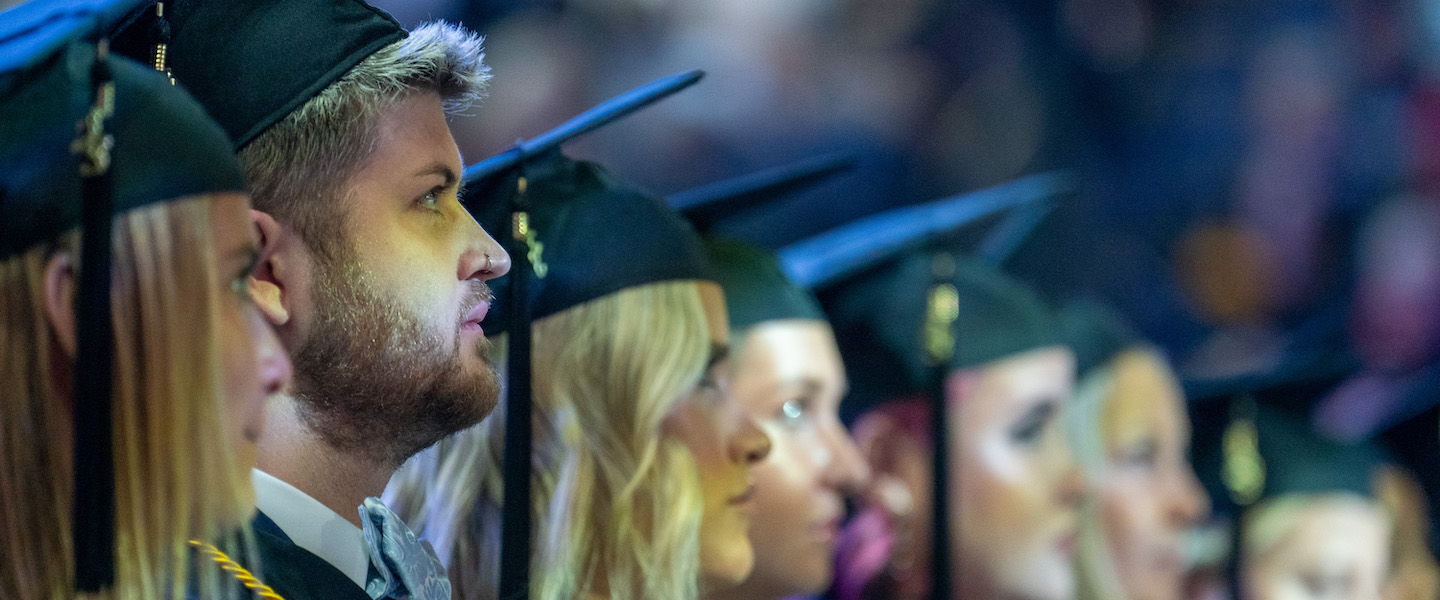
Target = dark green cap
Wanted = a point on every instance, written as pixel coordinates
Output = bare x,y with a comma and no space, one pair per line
880,319
253,62
1297,460
165,146
1095,332
594,234
756,290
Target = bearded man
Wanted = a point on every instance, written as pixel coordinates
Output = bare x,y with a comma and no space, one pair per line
372,272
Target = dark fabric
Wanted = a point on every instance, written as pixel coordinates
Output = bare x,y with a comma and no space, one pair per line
596,235
1096,333
253,62
756,290
879,318
293,572
165,146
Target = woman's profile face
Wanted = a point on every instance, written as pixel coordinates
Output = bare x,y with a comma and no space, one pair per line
725,443
1147,491
254,364
1326,550
1015,490
789,377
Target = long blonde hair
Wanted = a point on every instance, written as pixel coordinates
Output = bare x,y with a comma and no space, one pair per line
175,475
617,507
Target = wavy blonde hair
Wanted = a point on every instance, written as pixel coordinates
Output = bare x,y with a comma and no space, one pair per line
175,476
617,506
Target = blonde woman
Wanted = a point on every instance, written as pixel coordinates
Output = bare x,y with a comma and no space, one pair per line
192,360
1131,434
641,483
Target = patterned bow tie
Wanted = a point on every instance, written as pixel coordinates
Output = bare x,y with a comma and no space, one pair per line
405,567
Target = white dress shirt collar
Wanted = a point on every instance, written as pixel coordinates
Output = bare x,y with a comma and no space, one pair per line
313,526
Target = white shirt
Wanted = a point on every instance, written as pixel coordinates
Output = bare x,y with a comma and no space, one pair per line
313,526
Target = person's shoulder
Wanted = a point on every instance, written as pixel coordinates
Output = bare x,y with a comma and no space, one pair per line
294,572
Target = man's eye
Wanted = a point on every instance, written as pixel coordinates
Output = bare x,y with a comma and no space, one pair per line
430,200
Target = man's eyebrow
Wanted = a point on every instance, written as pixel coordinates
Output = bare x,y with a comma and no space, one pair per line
439,169
718,353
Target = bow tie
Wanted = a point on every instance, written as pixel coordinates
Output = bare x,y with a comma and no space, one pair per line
404,566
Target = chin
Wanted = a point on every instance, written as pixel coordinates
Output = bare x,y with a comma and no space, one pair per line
726,567
1052,579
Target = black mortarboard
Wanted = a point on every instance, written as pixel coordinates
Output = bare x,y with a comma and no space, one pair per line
1297,460
706,205
593,235
856,246
1095,332
140,141
756,290
253,62
883,318
599,235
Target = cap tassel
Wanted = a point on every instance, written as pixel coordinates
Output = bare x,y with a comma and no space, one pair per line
160,41
515,510
93,510
941,312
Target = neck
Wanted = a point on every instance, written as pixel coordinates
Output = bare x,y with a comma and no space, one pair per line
291,452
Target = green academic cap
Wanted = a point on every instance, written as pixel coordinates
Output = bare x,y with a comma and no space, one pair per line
593,234
1095,332
706,205
1297,460
140,141
756,290
575,233
253,62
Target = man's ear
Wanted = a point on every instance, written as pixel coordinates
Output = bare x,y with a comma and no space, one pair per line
60,299
270,285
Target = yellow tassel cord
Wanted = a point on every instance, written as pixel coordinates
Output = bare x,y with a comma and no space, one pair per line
237,571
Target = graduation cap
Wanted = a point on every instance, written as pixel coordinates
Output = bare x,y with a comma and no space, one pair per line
576,233
1095,332
251,63
140,141
853,247
756,288
708,204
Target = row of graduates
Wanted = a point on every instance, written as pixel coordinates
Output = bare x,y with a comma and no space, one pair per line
685,393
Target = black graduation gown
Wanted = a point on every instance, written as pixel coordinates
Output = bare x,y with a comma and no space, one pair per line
296,574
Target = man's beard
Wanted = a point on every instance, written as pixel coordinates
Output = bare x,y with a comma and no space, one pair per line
372,379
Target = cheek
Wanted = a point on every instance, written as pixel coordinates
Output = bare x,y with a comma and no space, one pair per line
694,426
1128,507
785,482
240,369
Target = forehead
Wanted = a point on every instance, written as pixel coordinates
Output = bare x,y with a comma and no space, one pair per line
717,320
1144,393
411,134
1015,384
793,346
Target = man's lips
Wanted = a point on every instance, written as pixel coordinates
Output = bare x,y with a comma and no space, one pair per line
475,316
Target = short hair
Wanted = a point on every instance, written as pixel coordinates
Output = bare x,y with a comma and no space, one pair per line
297,169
